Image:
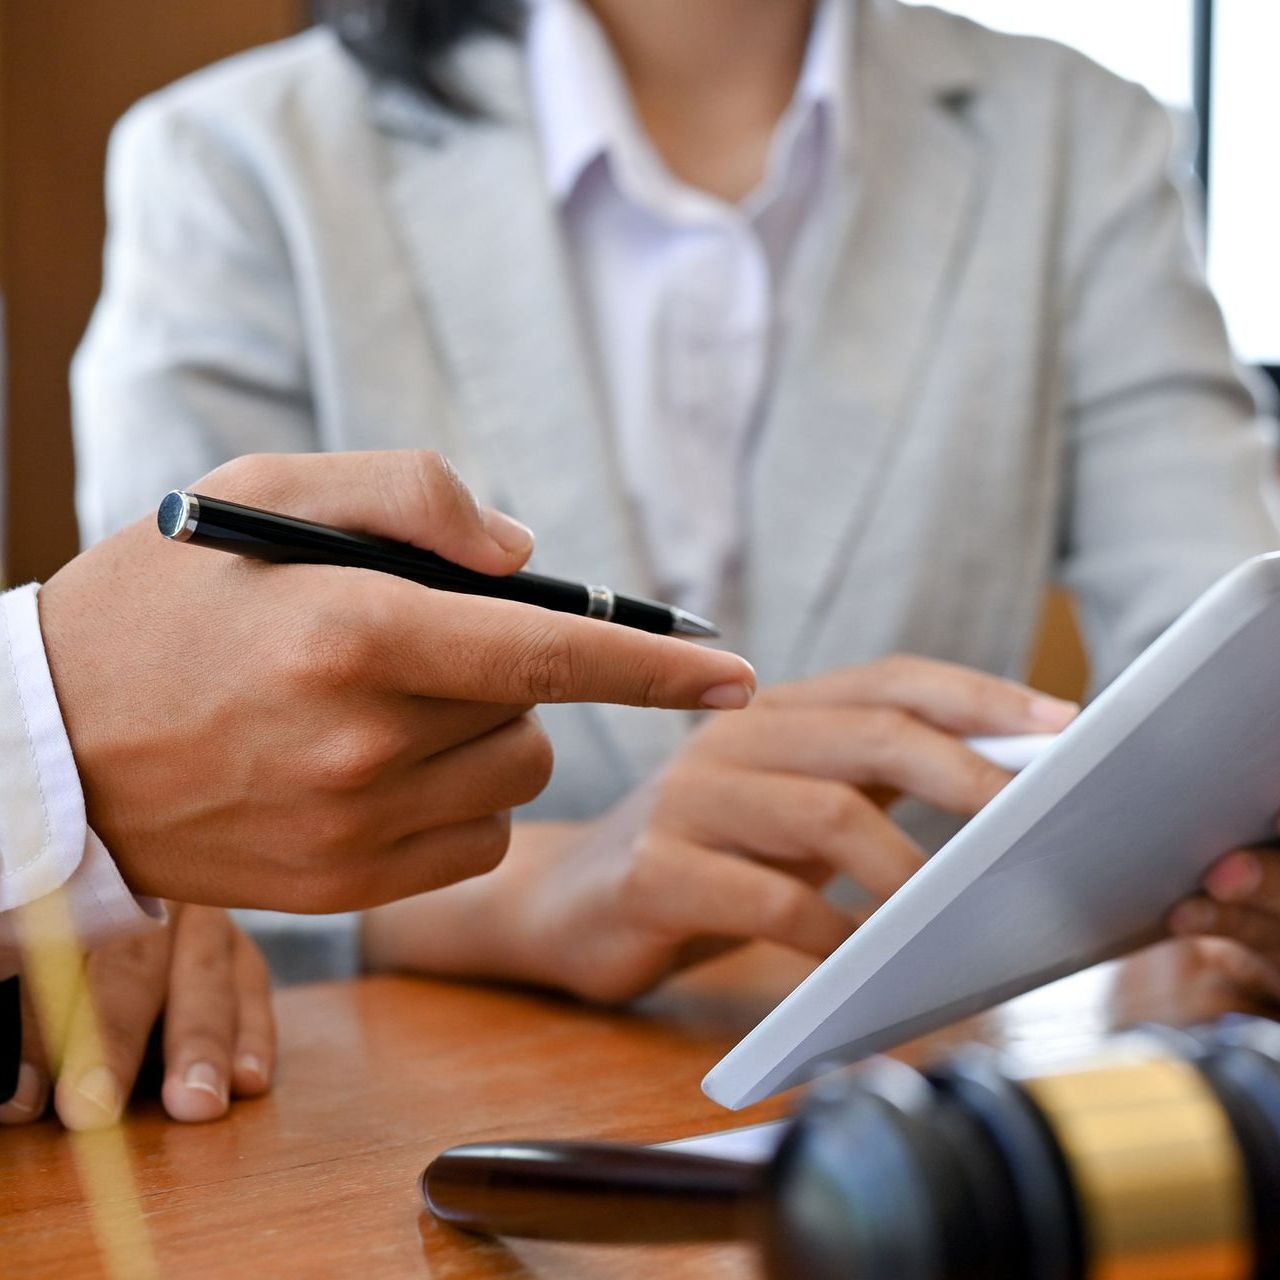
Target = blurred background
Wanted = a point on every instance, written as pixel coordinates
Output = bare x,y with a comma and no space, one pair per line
69,68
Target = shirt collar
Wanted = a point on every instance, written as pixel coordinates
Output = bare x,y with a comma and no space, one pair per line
825,75
583,107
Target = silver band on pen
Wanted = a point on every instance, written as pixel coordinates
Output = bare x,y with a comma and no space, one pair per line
600,602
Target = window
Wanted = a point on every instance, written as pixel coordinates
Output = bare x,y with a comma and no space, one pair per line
1244,182
1158,43
1153,43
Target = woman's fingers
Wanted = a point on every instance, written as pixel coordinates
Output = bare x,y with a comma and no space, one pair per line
796,818
32,1094
691,892
120,997
200,1020
1201,916
1240,904
951,697
253,1063
865,747
1248,877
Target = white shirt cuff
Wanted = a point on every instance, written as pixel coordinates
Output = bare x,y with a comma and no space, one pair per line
45,841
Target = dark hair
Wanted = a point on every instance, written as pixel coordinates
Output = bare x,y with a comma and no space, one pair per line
410,40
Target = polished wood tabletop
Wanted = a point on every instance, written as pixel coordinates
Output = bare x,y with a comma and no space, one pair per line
379,1075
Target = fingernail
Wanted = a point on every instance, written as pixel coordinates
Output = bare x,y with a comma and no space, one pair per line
101,1089
727,697
1192,917
1234,878
249,1064
1053,713
29,1097
207,1078
509,534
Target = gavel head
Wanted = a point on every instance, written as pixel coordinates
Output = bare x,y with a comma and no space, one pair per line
1156,1157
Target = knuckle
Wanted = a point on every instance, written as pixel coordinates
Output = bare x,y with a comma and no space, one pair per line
983,781
204,961
676,780
433,467
652,687
884,729
547,661
898,668
332,646
489,843
440,482
536,759
242,475
786,909
643,874
117,1032
196,1036
125,961
354,757
324,892
984,697
836,811
604,986
334,826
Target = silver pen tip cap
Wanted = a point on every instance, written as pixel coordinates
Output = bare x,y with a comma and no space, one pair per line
178,515
685,623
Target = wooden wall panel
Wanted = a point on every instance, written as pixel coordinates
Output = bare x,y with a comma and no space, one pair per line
68,69
1059,665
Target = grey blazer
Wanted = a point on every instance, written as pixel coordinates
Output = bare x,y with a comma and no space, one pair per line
1010,369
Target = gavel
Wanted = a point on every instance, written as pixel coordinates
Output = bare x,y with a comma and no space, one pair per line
1154,1157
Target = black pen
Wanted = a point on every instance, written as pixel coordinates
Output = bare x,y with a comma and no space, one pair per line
264,535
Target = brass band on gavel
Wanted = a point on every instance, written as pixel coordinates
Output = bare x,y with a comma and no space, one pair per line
1163,1190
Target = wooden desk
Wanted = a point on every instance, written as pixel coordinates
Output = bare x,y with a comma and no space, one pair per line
380,1075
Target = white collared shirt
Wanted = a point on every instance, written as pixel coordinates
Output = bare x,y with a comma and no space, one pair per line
46,845
685,296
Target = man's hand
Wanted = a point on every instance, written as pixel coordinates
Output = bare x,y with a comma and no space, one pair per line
318,739
1237,919
733,840
209,982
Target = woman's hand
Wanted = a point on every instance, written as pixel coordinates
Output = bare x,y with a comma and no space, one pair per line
734,839
1237,919
86,1046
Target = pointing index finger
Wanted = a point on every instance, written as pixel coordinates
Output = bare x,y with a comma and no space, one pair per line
471,648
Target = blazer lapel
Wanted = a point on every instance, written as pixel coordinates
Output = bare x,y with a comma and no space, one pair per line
484,243
881,287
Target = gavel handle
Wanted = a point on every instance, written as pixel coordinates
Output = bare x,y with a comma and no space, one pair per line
597,1192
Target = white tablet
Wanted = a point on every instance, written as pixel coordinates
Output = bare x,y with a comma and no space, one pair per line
1078,860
